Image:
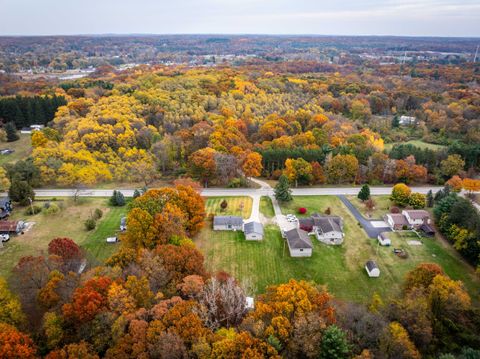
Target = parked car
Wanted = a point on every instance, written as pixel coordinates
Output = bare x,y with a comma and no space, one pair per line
123,224
291,218
4,237
112,239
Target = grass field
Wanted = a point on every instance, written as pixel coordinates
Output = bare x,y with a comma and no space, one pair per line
382,206
266,207
236,206
22,148
417,143
69,222
341,268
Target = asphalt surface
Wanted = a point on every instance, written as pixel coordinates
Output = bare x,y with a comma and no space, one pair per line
372,231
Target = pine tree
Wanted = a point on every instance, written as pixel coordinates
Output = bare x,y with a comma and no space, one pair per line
334,344
136,193
396,121
282,189
430,199
11,131
21,192
364,193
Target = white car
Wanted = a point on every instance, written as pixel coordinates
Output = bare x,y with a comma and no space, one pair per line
4,237
112,239
291,218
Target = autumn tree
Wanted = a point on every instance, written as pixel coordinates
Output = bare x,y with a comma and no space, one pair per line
73,351
400,194
396,343
235,345
252,164
68,250
15,344
203,165
471,185
10,307
4,180
342,169
452,165
417,200
422,276
317,173
298,170
455,183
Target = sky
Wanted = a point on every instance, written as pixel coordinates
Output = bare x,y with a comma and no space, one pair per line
333,17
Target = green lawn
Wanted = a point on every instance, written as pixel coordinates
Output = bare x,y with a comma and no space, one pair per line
417,143
236,206
382,206
341,268
22,148
266,207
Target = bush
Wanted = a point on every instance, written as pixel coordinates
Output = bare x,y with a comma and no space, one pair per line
394,209
52,209
136,193
90,224
97,214
328,211
21,192
117,199
237,183
302,210
30,211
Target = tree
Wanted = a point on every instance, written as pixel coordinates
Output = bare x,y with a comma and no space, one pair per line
422,276
11,131
471,185
452,165
417,200
298,170
364,193
334,344
317,173
455,183
342,169
10,307
68,250
15,344
283,192
252,165
430,199
397,344
400,194
81,350
4,180
117,199
21,192
223,205
203,165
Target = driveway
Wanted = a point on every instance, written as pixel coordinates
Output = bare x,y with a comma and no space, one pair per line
372,229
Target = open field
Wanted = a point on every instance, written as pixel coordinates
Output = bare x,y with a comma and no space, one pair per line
22,148
382,206
69,222
236,206
341,268
417,143
266,207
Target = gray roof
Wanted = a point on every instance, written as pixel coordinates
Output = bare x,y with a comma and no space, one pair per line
329,224
227,220
371,265
417,213
398,218
253,227
384,235
298,238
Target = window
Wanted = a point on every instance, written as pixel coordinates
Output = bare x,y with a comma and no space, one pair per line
301,249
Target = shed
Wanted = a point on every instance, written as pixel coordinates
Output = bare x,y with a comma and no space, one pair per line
384,239
249,303
299,243
427,229
227,223
11,226
372,269
253,231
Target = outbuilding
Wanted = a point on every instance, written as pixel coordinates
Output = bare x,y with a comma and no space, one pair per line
12,226
227,223
384,239
299,243
253,231
372,269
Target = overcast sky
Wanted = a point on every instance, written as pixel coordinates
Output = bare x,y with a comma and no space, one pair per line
336,17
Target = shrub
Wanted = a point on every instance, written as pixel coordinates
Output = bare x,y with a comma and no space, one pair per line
21,192
53,208
302,210
237,183
328,211
224,205
97,214
394,209
136,193
30,211
90,224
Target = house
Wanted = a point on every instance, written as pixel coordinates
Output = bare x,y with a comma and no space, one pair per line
372,269
249,303
299,243
12,226
427,230
406,120
227,223
396,221
327,229
5,207
416,217
384,239
31,129
253,231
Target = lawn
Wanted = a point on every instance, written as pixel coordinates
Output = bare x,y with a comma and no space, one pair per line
382,206
69,222
417,143
266,207
22,148
236,206
340,268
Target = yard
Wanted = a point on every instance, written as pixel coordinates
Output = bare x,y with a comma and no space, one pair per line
236,206
417,143
266,207
22,148
341,268
382,206
69,222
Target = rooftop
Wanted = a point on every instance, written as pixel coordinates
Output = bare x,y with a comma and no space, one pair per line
298,239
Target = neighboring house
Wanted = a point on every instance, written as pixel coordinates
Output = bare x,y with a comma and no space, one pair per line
253,231
5,207
384,239
396,221
299,243
416,217
406,120
227,223
372,269
12,226
327,229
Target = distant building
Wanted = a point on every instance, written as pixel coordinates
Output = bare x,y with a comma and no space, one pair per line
372,269
299,243
31,129
227,223
327,229
406,120
253,231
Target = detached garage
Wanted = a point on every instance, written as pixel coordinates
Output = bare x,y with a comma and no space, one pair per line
372,269
253,231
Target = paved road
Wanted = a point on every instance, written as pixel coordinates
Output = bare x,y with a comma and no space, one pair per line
372,231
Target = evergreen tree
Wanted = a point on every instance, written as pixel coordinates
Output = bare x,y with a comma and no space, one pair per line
396,121
11,131
282,189
334,344
21,192
117,199
364,193
136,193
430,199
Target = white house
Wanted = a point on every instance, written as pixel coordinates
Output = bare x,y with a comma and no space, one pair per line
372,269
253,231
227,223
416,217
406,120
31,129
396,221
327,229
384,239
299,243
249,303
